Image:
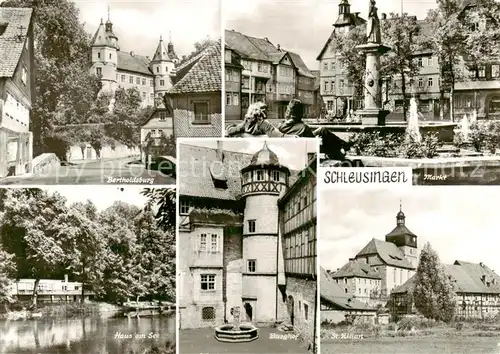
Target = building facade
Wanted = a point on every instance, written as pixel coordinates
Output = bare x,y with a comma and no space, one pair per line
477,292
297,212
270,74
236,257
196,95
17,90
233,85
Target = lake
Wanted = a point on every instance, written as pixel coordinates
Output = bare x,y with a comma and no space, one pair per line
415,345
88,335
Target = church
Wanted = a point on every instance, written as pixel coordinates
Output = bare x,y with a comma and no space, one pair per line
380,266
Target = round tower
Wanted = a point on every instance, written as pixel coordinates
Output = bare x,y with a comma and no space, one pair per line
104,56
163,68
264,180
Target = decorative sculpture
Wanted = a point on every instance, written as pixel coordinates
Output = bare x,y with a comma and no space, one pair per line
373,26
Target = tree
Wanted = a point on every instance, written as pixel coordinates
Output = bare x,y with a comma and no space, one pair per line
63,80
7,272
163,202
33,231
400,34
434,295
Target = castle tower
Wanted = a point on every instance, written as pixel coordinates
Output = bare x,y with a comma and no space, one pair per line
264,180
104,55
402,237
163,68
344,17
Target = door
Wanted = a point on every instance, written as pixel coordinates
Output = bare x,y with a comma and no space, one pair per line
248,312
291,309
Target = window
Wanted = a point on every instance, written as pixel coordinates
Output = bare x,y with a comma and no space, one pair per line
201,112
131,79
251,265
144,95
143,82
24,75
208,314
332,86
214,243
306,311
162,82
137,80
345,290
98,55
98,71
151,96
162,116
420,62
325,65
151,83
203,242
157,69
208,282
184,207
495,71
260,175
122,78
276,175
342,83
326,85
110,56
481,72
430,82
420,82
251,226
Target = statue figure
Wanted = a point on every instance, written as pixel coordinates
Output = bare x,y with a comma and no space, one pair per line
373,26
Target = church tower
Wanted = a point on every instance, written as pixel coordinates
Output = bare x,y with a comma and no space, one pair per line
163,68
104,55
404,239
264,181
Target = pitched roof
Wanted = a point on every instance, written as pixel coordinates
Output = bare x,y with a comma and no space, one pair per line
301,66
466,278
16,22
388,252
334,294
161,53
244,46
204,75
356,268
102,37
134,63
197,179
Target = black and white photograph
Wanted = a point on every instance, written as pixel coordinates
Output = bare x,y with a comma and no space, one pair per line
247,271
409,271
96,92
87,270
384,83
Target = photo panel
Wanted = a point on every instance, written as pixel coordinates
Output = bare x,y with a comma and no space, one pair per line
97,92
87,269
399,275
247,270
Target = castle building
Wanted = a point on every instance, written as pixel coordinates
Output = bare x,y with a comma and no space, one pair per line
241,258
17,90
119,69
381,265
477,292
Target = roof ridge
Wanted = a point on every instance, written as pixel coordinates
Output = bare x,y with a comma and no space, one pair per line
210,148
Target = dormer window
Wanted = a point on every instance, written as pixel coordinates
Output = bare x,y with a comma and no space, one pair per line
24,75
218,176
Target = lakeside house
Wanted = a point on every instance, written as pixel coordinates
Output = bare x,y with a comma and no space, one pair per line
50,290
477,290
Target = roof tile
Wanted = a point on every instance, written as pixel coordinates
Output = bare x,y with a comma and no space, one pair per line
17,21
388,252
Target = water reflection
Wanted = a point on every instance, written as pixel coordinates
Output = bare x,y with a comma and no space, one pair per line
85,335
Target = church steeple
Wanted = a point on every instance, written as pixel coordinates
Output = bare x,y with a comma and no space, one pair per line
344,17
400,217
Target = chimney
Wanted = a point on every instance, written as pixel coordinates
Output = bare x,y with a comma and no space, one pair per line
384,16
65,278
279,47
356,14
481,264
132,53
266,39
147,57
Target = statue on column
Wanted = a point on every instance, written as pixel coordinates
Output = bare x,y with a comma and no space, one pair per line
373,26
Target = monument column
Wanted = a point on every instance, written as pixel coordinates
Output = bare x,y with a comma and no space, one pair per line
373,113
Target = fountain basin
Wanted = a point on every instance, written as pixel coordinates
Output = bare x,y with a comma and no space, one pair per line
236,333
445,130
468,170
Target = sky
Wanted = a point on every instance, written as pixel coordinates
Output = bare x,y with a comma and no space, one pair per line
303,26
460,223
292,153
139,24
102,196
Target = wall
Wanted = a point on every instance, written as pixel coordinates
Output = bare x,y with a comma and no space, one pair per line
303,292
184,125
107,152
145,88
158,126
336,316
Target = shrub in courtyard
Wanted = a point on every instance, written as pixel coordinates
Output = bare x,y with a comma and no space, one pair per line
427,147
434,295
375,144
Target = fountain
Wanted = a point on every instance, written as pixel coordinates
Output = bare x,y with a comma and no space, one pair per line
236,332
413,129
465,129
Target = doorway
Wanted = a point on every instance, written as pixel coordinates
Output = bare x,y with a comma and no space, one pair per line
291,308
248,312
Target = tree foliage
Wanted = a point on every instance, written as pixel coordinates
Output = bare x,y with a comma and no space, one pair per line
434,294
119,253
162,201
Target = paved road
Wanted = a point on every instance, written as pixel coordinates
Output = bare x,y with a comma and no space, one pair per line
116,171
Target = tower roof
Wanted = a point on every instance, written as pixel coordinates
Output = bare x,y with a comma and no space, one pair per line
103,37
161,53
265,158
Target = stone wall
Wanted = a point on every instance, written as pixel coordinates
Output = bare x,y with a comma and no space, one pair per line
107,152
303,293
